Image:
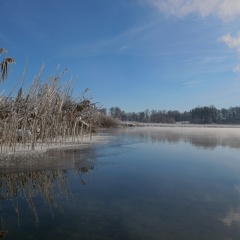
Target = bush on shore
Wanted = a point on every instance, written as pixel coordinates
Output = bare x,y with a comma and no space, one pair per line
106,121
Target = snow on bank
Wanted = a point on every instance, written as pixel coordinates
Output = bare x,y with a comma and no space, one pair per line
25,152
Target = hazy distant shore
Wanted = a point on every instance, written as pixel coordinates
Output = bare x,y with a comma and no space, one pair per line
206,136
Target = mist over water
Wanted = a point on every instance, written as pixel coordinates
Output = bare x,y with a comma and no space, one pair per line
206,137
148,183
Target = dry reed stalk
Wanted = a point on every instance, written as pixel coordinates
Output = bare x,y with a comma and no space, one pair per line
49,111
4,67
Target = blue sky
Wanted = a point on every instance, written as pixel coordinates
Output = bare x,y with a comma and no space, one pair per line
134,54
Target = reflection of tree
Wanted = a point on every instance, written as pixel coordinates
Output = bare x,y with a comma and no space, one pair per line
48,185
199,137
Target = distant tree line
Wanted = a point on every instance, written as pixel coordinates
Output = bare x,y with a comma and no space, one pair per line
198,115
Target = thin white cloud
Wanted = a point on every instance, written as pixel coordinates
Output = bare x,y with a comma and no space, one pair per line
224,9
207,59
232,42
191,83
236,68
134,41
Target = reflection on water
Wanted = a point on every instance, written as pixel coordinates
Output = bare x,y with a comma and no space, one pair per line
233,217
149,183
19,185
199,137
29,185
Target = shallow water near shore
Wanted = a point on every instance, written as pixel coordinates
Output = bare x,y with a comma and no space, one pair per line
147,183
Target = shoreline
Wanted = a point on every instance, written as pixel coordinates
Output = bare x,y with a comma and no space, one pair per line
184,125
41,150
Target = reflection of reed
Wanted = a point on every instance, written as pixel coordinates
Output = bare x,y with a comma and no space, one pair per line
49,185
3,232
82,171
29,184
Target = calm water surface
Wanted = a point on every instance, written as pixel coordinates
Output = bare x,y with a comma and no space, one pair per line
147,183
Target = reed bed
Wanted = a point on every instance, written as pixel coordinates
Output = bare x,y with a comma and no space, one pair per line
45,114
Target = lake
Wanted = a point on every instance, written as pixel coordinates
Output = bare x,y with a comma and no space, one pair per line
146,183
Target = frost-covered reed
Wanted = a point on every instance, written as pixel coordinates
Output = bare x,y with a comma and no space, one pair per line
45,113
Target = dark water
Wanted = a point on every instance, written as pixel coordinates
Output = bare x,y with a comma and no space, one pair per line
148,183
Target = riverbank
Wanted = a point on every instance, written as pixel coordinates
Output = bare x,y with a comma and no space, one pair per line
25,152
187,125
